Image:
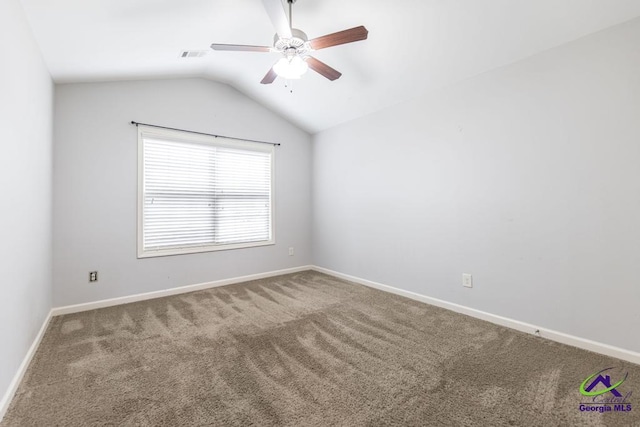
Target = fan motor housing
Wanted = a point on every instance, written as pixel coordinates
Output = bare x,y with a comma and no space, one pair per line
297,41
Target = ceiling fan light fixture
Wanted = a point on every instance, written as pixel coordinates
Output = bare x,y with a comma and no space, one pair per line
295,46
291,67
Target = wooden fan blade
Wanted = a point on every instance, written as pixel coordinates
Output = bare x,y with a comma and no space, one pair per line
341,37
240,48
269,78
278,16
323,69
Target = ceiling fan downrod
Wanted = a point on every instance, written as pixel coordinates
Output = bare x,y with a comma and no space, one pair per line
291,2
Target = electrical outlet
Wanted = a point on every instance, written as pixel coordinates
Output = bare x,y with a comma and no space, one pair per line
93,276
467,280
290,251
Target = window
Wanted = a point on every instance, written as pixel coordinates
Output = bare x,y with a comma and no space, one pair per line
199,193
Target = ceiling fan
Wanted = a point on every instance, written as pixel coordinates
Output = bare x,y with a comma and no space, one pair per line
295,47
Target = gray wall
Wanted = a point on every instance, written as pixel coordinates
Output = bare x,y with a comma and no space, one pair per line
26,95
527,177
95,186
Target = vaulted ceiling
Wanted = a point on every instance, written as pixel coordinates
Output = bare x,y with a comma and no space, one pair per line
414,46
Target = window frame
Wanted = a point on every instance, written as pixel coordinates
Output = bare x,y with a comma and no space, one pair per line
192,137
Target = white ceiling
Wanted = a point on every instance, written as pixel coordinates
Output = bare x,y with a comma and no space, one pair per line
414,46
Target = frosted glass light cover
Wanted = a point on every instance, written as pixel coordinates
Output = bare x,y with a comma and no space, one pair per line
291,68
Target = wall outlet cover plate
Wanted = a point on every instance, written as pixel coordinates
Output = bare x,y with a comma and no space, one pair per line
467,280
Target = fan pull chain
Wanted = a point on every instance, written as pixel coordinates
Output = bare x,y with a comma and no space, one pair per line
289,84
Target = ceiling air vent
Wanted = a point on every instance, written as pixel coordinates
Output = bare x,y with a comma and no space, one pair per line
193,53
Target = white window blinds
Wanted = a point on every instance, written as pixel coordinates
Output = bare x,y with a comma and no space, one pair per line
201,193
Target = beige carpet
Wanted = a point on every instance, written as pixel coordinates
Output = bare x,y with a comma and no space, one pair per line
302,350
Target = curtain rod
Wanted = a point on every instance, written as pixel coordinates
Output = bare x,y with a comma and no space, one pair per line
207,134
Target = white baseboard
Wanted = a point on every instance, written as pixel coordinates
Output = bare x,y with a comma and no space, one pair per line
57,311
550,334
22,369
